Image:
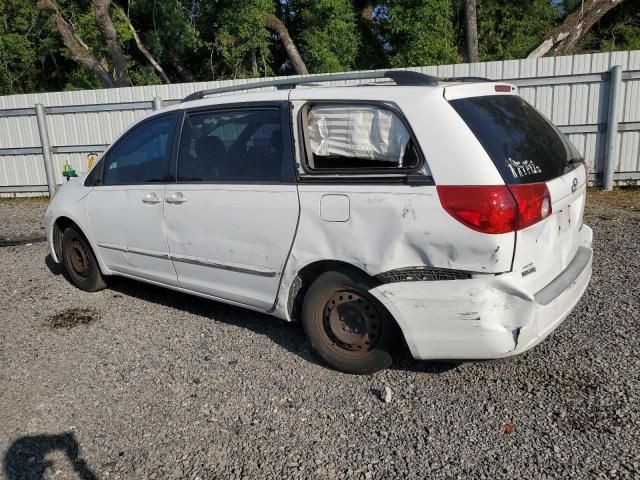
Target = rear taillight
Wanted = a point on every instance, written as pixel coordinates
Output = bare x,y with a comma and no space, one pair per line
534,203
496,208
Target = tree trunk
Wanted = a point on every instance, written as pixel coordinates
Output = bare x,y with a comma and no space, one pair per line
78,50
147,54
103,19
183,71
254,63
275,24
472,31
565,37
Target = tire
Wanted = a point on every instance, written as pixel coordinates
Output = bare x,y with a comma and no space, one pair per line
346,326
80,263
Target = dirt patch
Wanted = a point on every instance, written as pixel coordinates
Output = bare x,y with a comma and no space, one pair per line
72,317
627,198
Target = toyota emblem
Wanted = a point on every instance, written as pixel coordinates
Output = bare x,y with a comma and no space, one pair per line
574,185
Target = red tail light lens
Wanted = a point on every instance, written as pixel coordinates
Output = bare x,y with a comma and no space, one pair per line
487,209
497,208
534,203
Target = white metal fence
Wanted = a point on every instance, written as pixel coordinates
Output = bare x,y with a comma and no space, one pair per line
573,91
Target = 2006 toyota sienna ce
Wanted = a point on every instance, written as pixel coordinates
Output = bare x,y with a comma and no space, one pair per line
445,213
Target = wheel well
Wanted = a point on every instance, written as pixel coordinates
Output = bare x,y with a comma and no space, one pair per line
306,277
60,225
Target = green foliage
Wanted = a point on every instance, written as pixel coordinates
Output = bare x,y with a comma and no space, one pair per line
218,39
18,51
243,39
509,29
422,32
168,30
329,36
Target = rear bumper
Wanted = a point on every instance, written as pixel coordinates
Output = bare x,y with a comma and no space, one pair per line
488,317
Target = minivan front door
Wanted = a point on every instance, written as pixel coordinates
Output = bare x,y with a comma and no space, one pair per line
126,208
232,215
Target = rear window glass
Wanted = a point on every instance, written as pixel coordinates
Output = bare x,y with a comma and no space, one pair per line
524,146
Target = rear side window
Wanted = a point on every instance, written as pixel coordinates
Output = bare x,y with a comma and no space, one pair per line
141,155
233,146
524,146
357,137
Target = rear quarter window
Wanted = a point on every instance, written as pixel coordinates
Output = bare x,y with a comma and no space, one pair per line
357,138
523,145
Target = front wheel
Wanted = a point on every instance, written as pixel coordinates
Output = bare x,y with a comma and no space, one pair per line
80,263
347,327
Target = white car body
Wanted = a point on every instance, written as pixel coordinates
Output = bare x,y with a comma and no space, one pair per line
254,244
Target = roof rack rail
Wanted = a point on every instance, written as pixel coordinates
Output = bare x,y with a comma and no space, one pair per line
467,79
401,77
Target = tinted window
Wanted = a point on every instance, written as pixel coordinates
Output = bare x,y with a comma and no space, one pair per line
233,146
142,155
524,146
352,137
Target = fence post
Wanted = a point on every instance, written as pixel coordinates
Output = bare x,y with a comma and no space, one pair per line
157,103
615,79
46,148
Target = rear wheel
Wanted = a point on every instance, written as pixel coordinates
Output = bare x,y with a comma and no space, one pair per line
79,262
347,327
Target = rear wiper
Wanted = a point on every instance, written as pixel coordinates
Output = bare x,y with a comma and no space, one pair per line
570,165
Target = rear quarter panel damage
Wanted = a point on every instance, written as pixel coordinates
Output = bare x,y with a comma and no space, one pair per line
481,314
390,227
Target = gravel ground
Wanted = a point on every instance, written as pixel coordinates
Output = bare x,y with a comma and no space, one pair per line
20,217
139,382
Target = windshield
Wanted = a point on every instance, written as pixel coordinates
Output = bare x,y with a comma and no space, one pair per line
524,146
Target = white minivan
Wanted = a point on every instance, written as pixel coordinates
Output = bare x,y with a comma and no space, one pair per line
443,214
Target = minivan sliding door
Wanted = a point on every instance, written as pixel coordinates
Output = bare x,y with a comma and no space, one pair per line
231,217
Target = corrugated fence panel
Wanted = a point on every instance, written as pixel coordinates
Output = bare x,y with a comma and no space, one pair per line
568,102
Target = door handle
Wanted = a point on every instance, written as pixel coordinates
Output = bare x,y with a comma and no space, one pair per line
176,198
151,198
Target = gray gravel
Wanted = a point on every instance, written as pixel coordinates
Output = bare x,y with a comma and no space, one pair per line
156,384
22,217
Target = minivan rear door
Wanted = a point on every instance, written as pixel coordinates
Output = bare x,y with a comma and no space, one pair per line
527,148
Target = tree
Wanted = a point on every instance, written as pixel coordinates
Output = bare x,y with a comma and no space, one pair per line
275,24
471,31
147,54
620,30
421,32
25,47
48,45
103,19
566,36
510,29
372,52
77,48
328,33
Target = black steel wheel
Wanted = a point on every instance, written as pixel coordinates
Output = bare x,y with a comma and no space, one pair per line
79,262
347,327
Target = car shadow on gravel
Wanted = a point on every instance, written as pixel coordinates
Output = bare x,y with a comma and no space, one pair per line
26,458
285,334
55,268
